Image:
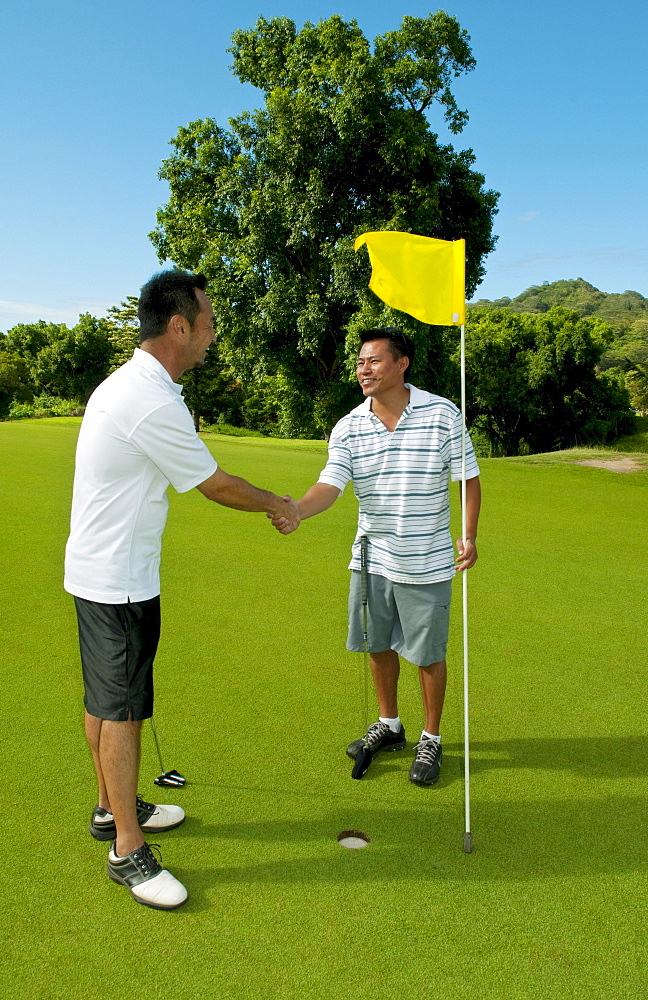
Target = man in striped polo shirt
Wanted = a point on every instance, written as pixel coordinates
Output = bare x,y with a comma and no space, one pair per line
399,447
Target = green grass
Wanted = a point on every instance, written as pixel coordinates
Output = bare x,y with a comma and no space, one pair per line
256,699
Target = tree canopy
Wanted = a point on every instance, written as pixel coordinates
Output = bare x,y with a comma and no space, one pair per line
14,381
54,360
625,312
620,309
532,384
123,326
269,208
532,379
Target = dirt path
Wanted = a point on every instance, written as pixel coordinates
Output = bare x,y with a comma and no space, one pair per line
614,464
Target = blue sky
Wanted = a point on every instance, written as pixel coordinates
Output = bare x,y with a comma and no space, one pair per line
92,94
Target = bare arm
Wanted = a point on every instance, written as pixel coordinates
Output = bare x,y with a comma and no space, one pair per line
237,493
320,497
466,546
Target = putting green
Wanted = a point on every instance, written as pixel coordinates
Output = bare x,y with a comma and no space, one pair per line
257,698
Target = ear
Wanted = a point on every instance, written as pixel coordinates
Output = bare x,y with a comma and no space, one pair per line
178,327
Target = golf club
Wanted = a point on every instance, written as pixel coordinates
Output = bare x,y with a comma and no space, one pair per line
171,779
364,758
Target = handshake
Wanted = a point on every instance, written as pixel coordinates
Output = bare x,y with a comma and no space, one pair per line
285,517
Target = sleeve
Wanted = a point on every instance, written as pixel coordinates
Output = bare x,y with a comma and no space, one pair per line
338,470
168,438
454,439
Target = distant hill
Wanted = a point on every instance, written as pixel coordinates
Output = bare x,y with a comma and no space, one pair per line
626,312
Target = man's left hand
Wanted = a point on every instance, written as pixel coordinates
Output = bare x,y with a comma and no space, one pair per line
467,554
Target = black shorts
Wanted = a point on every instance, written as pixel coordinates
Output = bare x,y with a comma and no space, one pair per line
118,644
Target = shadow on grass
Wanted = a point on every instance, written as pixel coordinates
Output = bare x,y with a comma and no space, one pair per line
595,757
599,758
522,838
513,842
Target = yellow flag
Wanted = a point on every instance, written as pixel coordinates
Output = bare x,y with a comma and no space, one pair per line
418,275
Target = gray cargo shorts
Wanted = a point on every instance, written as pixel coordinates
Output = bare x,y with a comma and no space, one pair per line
410,618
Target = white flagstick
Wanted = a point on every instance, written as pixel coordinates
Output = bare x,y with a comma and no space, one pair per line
467,843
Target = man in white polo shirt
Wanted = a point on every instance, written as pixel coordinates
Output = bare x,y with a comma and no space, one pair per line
137,437
398,448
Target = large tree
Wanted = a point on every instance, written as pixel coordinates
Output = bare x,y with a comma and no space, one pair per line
269,208
123,325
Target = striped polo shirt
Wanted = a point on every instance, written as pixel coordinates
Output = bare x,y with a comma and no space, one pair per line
401,481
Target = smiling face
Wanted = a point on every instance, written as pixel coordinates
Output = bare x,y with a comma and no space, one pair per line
378,371
201,334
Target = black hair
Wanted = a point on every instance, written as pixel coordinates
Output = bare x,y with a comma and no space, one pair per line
399,344
167,294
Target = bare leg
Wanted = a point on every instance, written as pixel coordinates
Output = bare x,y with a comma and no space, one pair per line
93,735
433,686
385,668
119,756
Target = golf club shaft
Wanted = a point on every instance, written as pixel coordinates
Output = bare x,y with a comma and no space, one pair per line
364,596
157,745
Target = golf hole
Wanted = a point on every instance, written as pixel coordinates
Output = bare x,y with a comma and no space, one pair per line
354,839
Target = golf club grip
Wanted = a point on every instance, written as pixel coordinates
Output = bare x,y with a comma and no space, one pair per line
363,569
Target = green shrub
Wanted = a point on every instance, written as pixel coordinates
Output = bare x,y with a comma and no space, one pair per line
228,429
46,406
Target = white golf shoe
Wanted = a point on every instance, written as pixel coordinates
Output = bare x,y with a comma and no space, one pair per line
151,818
149,883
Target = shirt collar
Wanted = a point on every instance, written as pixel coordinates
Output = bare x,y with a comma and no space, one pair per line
151,364
418,397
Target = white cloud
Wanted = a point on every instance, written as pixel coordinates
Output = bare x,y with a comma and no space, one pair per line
12,313
527,217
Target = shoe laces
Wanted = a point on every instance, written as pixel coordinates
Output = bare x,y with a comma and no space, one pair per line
427,751
376,732
148,807
146,860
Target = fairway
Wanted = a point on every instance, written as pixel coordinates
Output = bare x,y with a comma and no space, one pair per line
257,699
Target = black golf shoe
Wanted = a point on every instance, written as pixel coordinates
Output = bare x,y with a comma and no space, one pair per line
379,737
426,767
151,818
149,883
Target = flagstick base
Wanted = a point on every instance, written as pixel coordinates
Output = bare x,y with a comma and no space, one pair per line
467,844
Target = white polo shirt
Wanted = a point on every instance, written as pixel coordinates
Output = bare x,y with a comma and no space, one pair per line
137,437
401,481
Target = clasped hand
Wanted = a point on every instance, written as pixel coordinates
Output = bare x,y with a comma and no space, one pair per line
287,518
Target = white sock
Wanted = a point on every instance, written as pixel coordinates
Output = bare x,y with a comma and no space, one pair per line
394,724
430,736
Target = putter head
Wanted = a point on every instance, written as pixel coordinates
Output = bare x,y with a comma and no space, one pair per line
170,779
362,762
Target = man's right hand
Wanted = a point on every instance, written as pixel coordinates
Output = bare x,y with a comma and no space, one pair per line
286,518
